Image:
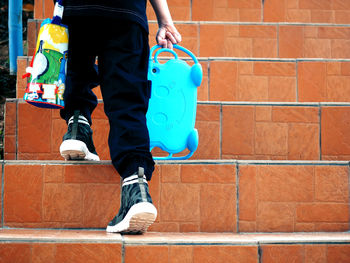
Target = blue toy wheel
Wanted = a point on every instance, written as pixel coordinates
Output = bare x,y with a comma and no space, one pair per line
192,140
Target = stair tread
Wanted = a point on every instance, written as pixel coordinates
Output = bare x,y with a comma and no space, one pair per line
149,238
235,58
179,21
254,103
177,162
252,39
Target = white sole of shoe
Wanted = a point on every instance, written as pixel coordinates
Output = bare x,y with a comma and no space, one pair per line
76,150
137,220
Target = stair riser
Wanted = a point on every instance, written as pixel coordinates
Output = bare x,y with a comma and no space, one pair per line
216,197
267,81
251,40
226,132
114,253
244,11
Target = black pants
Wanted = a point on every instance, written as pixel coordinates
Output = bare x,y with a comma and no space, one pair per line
122,50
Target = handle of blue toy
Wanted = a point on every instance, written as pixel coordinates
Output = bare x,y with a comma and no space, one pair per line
164,50
175,46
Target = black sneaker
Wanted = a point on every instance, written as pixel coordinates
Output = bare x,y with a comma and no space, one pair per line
137,211
77,142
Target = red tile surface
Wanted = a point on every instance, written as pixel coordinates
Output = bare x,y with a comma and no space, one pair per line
305,11
23,191
306,81
226,10
335,126
71,196
34,133
20,253
180,10
305,253
310,201
225,254
180,254
265,132
60,196
321,81
287,254
146,254
38,9
252,81
10,131
98,246
88,253
56,253
255,132
338,253
238,41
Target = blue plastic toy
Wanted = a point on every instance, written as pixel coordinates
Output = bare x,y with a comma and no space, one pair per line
172,107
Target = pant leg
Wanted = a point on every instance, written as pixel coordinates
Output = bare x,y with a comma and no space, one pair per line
82,76
123,65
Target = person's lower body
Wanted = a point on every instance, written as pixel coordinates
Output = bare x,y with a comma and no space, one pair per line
122,74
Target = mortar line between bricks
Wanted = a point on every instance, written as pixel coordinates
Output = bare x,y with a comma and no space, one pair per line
191,8
237,197
193,162
199,38
165,243
253,242
200,22
240,23
208,80
278,40
256,103
349,194
297,81
320,130
261,59
221,131
262,10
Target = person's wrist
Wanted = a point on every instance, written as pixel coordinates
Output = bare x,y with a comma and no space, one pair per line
164,22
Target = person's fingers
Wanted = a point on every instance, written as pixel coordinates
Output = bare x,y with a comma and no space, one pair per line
167,36
178,37
170,44
171,37
160,37
175,34
161,42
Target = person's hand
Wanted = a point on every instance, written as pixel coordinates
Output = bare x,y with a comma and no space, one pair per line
168,35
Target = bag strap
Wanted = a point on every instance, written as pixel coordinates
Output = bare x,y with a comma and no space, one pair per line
58,12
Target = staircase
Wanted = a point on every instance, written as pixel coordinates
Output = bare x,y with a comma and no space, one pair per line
269,181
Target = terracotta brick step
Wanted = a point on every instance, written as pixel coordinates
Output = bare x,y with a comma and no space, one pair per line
242,79
191,196
289,131
252,40
96,246
325,11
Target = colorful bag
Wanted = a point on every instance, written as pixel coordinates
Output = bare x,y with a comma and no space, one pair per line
47,72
